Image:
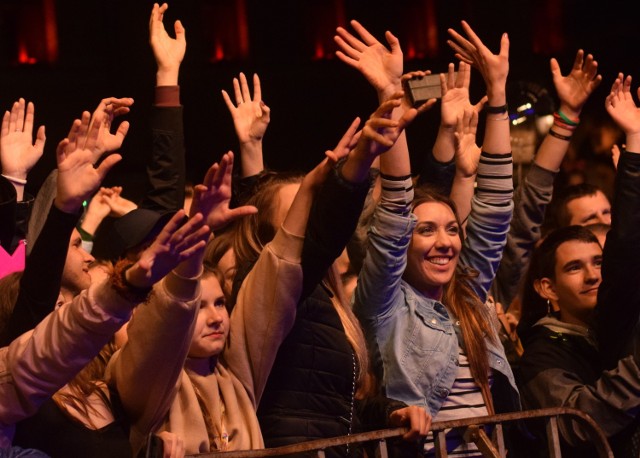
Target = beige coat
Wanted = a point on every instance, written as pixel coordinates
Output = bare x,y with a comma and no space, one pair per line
151,372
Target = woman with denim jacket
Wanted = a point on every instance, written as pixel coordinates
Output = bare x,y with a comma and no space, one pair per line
421,291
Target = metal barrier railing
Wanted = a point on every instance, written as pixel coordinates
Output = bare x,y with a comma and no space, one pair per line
472,432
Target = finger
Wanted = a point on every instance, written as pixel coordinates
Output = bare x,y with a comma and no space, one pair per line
184,240
40,140
81,136
346,59
350,40
381,123
394,43
223,170
107,164
227,101
473,38
364,33
464,75
20,120
60,151
504,45
426,105
377,137
237,91
241,212
180,32
480,105
73,134
195,249
28,120
93,130
13,118
257,90
579,60
406,119
346,49
244,87
121,133
173,225
5,124
211,172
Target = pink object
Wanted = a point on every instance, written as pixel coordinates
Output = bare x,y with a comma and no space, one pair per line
10,263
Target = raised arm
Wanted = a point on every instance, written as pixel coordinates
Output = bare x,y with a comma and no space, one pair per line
77,181
494,69
492,206
619,293
18,152
160,335
166,167
535,191
251,118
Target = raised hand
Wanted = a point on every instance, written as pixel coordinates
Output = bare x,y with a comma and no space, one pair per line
493,67
103,117
467,153
624,111
167,51
118,205
381,66
18,152
250,115
380,132
455,95
574,89
97,210
78,179
212,198
174,244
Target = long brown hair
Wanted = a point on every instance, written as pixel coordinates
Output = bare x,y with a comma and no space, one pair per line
87,382
467,308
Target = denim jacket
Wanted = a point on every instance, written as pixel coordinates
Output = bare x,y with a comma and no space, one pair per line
412,334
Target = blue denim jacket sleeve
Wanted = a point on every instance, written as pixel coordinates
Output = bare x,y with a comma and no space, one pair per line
379,281
488,223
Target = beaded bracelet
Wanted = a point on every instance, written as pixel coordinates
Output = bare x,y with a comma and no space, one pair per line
566,119
553,133
496,110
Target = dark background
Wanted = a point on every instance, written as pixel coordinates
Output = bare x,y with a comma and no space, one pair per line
103,51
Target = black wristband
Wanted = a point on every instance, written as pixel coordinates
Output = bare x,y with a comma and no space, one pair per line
496,110
553,133
125,289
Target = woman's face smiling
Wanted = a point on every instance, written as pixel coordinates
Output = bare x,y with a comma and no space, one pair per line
434,249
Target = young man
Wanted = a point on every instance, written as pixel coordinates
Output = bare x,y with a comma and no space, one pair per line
586,355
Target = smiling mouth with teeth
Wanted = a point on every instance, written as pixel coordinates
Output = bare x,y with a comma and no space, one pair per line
439,261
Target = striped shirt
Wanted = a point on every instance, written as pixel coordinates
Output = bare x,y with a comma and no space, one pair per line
464,401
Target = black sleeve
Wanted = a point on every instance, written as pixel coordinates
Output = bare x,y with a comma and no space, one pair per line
40,282
334,215
166,169
618,306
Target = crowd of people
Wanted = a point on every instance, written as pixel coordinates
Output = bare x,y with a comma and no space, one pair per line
262,308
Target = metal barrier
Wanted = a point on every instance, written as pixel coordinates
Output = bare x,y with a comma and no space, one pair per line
472,432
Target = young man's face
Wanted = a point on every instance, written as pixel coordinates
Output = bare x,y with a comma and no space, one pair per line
577,278
75,276
589,209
